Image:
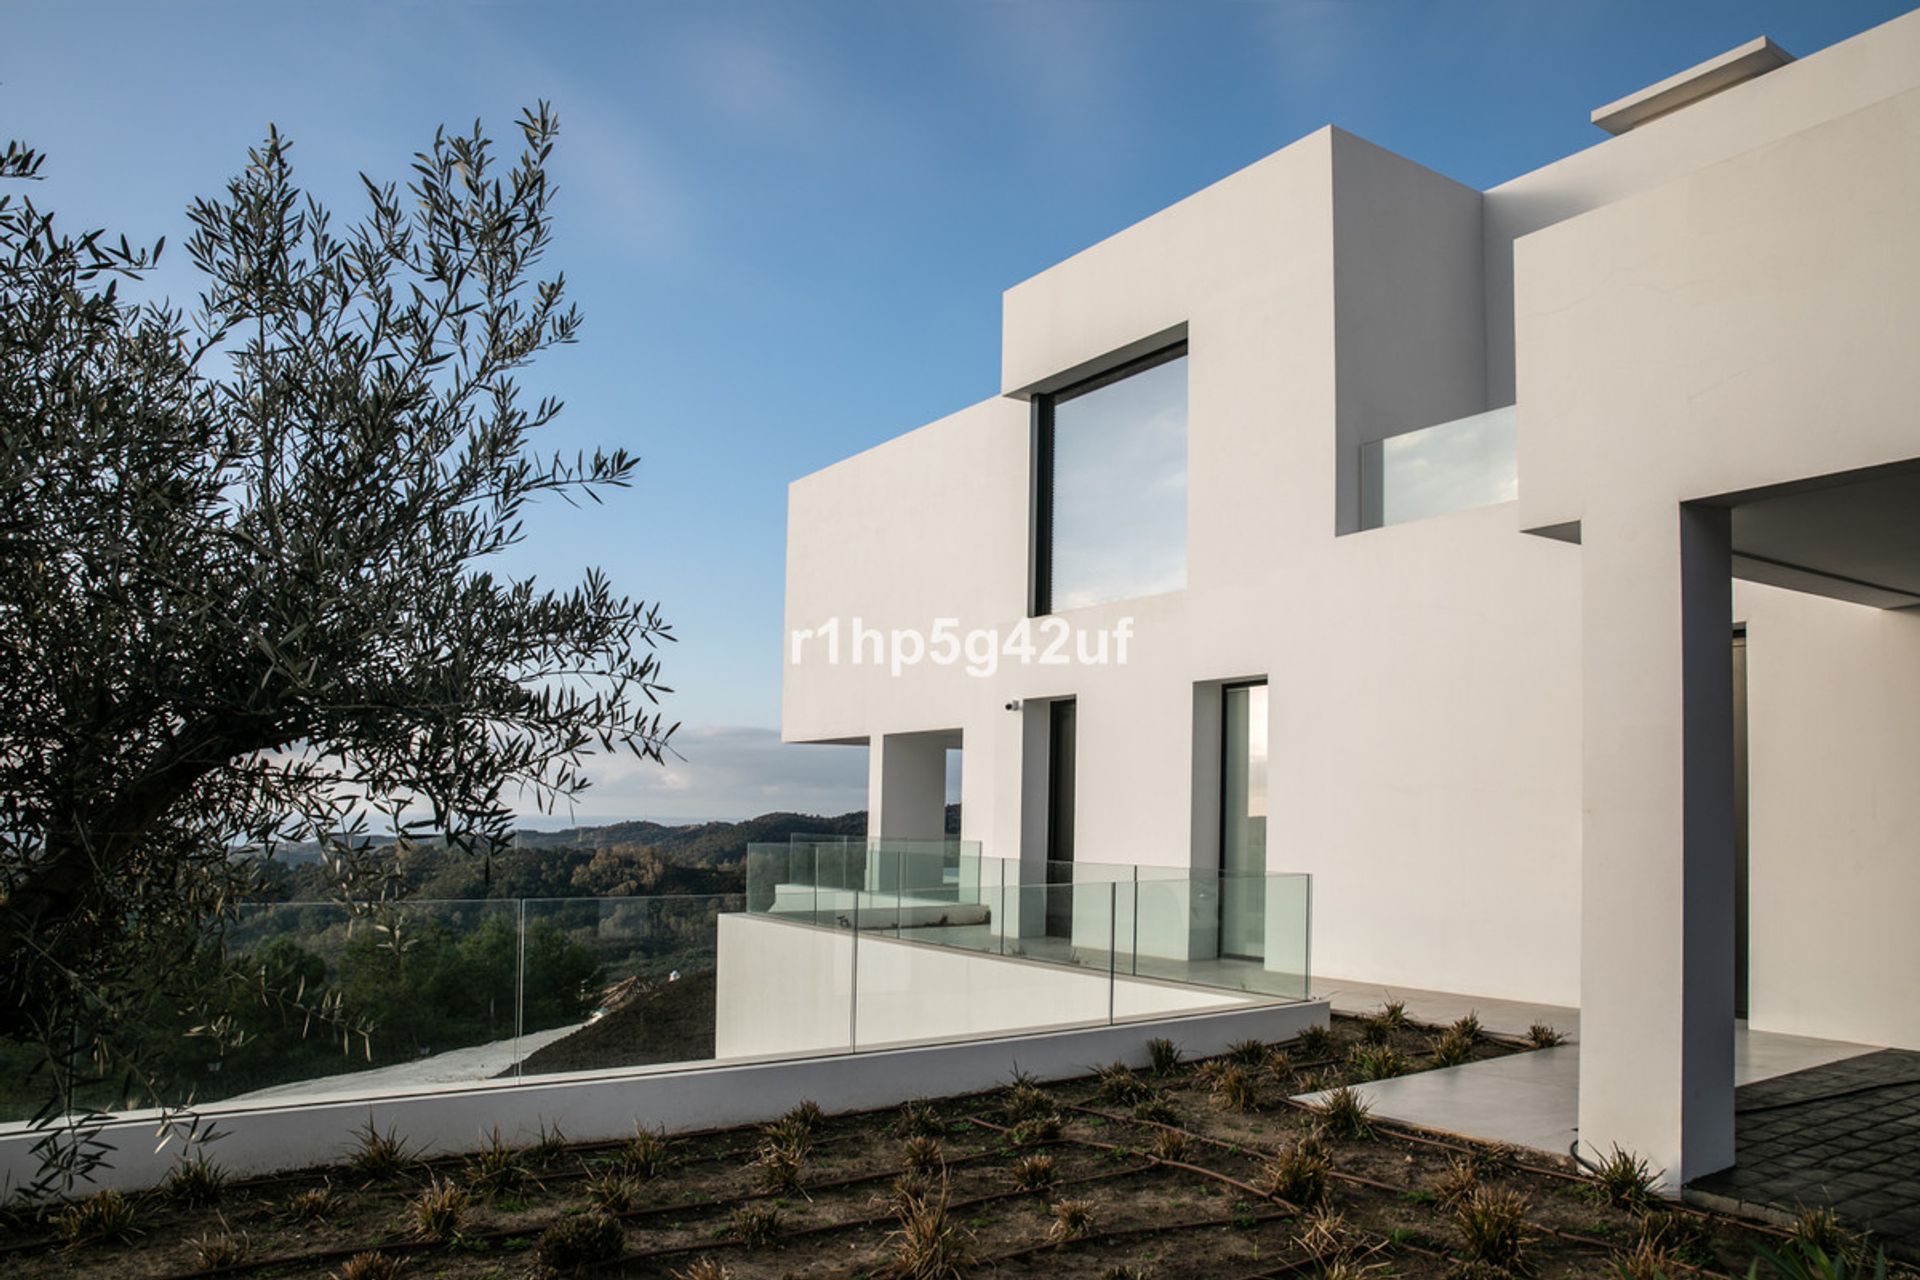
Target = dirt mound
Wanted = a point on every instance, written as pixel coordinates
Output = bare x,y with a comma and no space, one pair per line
669,1022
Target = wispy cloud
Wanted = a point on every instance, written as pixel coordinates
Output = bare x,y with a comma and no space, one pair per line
727,772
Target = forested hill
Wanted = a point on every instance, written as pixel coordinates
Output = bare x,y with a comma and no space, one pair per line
618,860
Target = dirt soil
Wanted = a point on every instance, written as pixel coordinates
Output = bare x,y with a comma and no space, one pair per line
671,1023
1135,1199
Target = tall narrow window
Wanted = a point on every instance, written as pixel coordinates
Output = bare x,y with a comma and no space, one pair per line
1111,491
1243,821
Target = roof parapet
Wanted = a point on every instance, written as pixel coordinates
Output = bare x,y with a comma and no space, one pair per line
1736,66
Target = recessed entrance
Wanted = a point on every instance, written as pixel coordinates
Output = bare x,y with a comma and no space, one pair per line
1243,820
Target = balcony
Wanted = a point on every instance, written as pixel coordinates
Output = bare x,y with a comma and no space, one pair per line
1451,466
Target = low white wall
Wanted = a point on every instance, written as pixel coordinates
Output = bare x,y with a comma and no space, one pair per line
790,988
268,1138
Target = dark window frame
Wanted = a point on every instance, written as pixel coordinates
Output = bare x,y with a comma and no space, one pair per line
1040,499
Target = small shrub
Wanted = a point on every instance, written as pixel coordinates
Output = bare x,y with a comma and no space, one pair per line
1278,1064
438,1211
1623,1180
807,1115
369,1266
908,1189
1248,1053
755,1225
1542,1036
1170,1144
1033,1173
1492,1228
1235,1087
1157,1110
1122,1086
1164,1055
1460,1180
705,1269
1680,1236
579,1241
1804,1260
1394,1014
1376,1031
1643,1262
497,1168
789,1131
1381,1063
1124,1271
549,1146
1451,1049
1316,1043
644,1155
917,1119
612,1191
314,1204
922,1155
1207,1074
1346,1114
211,1252
1071,1220
929,1245
379,1156
1820,1228
1297,1175
781,1164
1025,1102
104,1215
1468,1026
1031,1133
195,1184
1322,1232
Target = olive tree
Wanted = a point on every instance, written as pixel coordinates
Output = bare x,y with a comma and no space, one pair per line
246,593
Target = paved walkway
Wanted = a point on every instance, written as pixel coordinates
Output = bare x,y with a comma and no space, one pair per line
1844,1134
456,1066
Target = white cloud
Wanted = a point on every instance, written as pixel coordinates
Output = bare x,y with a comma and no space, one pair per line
726,773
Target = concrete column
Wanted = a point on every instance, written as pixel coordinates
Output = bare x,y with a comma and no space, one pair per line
907,786
1656,974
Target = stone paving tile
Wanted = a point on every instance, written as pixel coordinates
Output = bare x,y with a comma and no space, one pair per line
1846,1134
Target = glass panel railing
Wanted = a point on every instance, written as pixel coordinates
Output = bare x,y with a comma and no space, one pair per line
1451,466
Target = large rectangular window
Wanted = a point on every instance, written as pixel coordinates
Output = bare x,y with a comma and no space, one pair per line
1110,519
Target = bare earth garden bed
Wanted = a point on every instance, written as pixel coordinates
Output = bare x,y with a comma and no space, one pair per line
1182,1169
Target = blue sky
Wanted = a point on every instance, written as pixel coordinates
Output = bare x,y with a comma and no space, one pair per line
789,224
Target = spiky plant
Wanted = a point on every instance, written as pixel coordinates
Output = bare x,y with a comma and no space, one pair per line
1804,1260
1644,1262
1297,1175
1376,1031
705,1268
1493,1229
1207,1074
612,1191
1623,1180
1468,1026
917,1119
1157,1109
928,1244
223,1249
1458,1181
1163,1055
439,1210
1821,1228
1346,1114
104,1215
780,1165
579,1241
1542,1036
789,1131
195,1184
497,1167
1393,1013
755,1225
1071,1220
311,1204
378,1156
1381,1063
1125,1271
808,1115
1036,1172
1451,1049
922,1155
908,1187
1170,1144
1682,1237
1248,1053
1322,1232
548,1146
1025,1101
1236,1088
370,1265
1316,1042
1278,1064
1031,1133
1121,1085
644,1155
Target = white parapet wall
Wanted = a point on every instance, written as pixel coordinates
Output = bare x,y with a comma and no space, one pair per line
288,1134
787,987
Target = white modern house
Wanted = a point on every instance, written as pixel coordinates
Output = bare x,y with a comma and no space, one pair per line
1533,568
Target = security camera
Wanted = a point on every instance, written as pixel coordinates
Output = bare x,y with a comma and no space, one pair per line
1014,705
